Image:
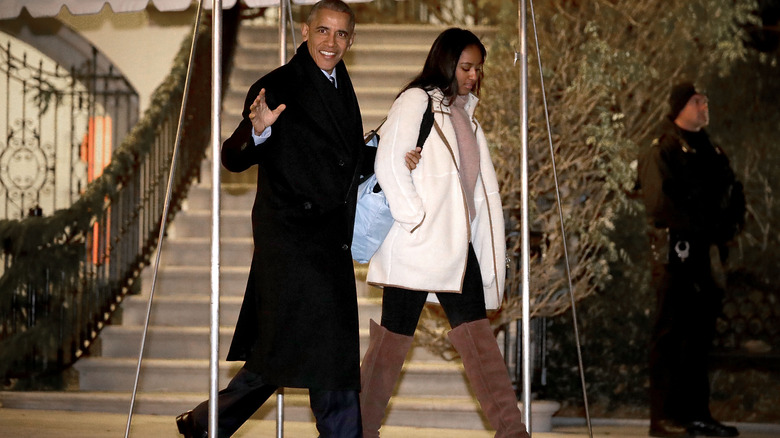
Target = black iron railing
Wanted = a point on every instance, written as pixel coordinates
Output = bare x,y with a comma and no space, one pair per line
60,120
64,274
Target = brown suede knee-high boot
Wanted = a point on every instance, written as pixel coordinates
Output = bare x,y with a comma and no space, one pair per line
488,376
378,374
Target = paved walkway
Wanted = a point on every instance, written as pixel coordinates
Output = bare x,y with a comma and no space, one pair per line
17,423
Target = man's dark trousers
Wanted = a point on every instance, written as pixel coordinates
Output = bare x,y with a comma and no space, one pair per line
337,412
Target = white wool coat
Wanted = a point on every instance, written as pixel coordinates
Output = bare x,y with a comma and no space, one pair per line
427,246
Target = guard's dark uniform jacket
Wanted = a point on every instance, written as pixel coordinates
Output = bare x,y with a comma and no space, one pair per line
689,187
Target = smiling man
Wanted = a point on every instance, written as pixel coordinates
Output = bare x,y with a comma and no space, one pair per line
298,325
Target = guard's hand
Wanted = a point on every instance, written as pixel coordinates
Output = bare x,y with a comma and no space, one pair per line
412,158
260,115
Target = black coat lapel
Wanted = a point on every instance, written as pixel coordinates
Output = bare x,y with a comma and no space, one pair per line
327,106
337,113
349,114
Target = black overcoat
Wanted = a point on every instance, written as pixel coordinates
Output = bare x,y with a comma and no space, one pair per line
298,325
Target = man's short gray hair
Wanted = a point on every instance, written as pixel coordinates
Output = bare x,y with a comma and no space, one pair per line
333,5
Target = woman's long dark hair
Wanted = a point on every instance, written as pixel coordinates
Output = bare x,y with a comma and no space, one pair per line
439,68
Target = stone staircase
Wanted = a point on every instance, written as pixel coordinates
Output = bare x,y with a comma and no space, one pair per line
174,377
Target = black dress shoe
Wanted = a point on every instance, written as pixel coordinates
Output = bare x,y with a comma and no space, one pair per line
187,427
667,428
711,428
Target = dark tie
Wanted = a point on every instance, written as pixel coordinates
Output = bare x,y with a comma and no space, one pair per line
332,80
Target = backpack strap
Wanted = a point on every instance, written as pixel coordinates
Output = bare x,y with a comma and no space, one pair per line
425,130
427,123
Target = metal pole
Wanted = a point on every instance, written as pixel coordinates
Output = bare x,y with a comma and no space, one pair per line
292,29
282,32
563,228
280,412
525,251
216,140
283,10
164,216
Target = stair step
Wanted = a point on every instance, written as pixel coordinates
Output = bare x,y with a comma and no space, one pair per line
296,402
375,99
372,113
191,375
384,37
196,251
196,280
264,56
232,104
197,223
238,198
162,342
450,412
388,35
417,412
395,76
412,56
193,310
121,341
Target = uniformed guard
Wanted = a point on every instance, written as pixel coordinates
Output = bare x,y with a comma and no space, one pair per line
695,206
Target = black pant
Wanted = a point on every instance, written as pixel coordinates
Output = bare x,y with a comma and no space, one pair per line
688,303
337,412
401,308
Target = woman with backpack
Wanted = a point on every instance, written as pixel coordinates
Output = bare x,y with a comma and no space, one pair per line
447,240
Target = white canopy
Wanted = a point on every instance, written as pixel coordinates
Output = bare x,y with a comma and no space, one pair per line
50,8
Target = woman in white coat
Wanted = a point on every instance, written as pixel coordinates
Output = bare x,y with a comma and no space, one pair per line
447,241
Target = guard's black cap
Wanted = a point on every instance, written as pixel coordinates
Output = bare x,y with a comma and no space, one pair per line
679,96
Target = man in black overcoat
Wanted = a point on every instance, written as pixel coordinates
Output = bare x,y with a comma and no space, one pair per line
695,206
298,324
